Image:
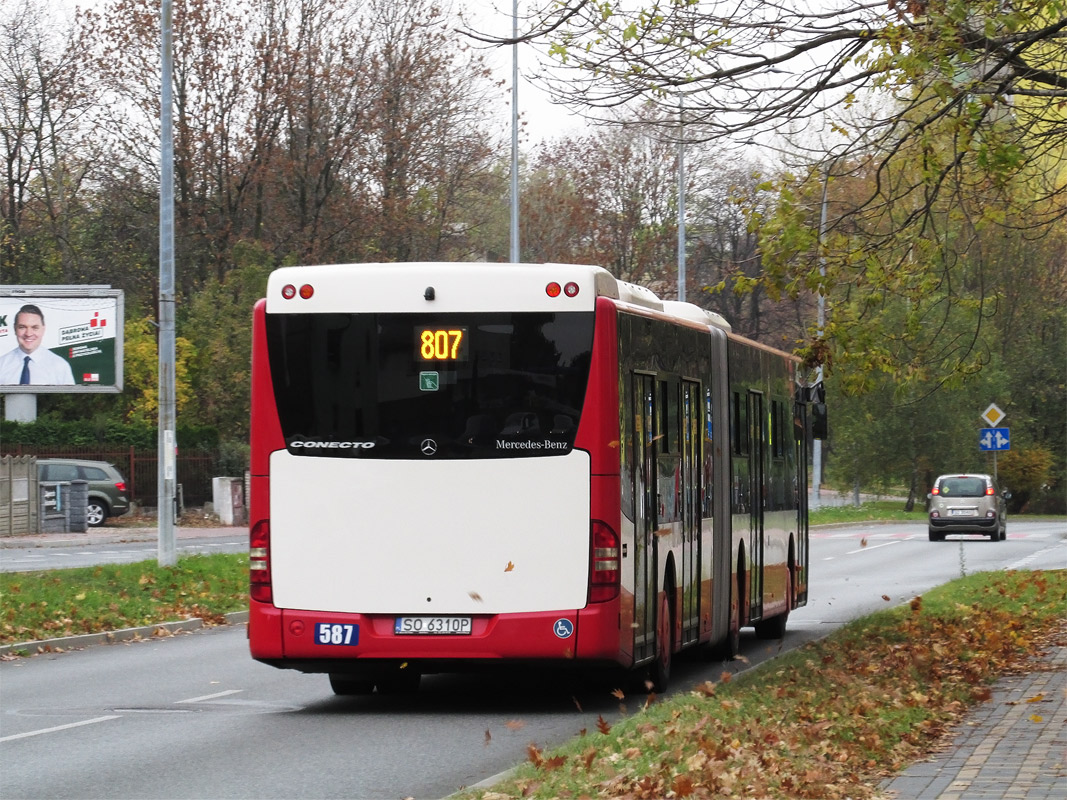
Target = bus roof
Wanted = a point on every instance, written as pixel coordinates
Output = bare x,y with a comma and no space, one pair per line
445,287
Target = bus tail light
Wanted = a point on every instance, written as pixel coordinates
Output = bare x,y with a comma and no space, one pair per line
259,562
604,563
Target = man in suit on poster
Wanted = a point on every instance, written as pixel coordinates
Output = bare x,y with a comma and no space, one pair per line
29,363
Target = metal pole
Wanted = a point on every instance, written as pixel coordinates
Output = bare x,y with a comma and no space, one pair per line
167,555
681,200
816,448
515,133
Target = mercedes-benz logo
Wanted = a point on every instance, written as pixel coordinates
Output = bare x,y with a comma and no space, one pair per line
428,447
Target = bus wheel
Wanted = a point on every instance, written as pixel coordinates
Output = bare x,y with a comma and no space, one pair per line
344,685
774,628
660,673
730,647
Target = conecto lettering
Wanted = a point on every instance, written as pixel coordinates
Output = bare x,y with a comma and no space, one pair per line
333,445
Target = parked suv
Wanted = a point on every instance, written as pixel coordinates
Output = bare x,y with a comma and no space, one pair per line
107,487
967,504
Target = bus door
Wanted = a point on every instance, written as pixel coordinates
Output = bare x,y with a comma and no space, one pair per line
758,493
644,406
692,435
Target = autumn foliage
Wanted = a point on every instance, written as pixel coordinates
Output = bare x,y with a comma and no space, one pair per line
830,720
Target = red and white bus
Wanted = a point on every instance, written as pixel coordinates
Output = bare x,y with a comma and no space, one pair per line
459,464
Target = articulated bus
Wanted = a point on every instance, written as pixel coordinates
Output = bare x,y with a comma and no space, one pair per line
458,465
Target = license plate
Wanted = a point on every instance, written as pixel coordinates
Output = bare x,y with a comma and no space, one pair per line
961,512
447,626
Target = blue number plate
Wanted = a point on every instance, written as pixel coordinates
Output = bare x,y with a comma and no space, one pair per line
335,633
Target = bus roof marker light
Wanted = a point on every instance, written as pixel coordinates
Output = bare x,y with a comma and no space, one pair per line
288,291
571,289
306,291
553,289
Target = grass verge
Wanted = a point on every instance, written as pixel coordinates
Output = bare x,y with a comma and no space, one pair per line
827,721
69,602
874,510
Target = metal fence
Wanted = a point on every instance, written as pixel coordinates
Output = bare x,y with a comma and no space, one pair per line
139,468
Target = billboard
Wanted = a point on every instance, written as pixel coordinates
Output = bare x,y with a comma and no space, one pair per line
56,339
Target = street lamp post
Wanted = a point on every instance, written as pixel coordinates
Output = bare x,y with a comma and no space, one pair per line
515,132
167,468
681,200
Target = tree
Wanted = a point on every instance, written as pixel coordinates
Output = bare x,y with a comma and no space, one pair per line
942,103
46,107
608,198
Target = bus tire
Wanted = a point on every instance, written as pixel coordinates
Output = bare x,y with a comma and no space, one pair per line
774,627
345,685
730,647
660,671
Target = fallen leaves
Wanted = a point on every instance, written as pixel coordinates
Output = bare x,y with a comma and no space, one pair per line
827,724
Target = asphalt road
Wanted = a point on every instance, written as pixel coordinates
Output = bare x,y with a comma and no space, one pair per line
193,716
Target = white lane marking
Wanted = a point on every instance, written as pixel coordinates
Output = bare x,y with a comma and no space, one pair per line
210,696
872,547
57,728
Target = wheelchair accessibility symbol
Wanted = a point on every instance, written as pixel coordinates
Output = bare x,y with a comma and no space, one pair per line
563,628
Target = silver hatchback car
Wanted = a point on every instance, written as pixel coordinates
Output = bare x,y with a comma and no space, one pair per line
967,504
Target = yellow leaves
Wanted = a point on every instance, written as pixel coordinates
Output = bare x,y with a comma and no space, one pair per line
1037,698
509,567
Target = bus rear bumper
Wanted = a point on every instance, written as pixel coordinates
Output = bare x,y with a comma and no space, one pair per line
290,639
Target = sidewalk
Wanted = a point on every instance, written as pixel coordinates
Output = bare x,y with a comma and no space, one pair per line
114,535
1012,747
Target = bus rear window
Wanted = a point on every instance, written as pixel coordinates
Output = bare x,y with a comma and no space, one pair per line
486,385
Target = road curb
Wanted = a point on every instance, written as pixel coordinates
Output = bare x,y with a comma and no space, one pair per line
113,637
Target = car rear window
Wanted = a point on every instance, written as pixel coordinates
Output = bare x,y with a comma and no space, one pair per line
962,487
94,474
